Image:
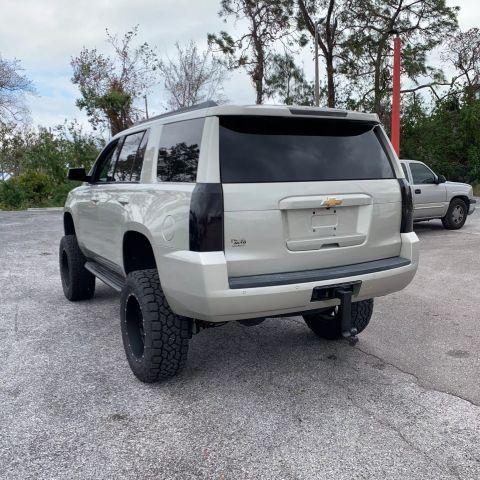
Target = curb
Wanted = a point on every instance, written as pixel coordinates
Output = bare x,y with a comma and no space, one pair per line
46,209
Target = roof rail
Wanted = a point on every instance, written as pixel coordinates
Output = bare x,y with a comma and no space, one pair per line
198,106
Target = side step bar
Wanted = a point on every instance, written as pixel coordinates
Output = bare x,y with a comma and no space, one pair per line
112,279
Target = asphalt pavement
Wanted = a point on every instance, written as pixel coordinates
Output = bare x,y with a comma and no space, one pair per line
265,402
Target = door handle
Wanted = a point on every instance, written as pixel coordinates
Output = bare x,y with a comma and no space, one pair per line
123,201
417,190
95,200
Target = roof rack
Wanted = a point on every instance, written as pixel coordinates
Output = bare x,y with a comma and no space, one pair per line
198,106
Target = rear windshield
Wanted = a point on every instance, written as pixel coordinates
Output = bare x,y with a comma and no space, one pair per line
279,149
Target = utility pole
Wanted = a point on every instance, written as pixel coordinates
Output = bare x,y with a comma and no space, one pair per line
317,75
146,106
395,128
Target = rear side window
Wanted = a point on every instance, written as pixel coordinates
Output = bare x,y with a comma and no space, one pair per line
421,174
280,149
130,159
179,151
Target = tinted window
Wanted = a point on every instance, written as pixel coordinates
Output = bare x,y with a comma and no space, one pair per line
106,163
128,157
404,168
421,174
137,166
279,149
179,151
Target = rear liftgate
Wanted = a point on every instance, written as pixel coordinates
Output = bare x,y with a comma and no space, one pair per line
344,292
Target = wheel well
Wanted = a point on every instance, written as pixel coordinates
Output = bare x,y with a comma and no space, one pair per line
464,198
137,252
68,225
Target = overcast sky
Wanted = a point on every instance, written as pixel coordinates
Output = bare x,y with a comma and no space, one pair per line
44,34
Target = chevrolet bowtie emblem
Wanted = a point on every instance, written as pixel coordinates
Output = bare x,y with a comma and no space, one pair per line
332,202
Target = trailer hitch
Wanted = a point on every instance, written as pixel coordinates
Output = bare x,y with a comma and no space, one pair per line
344,292
349,332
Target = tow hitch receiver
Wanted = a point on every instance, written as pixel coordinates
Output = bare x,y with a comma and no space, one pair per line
349,332
344,293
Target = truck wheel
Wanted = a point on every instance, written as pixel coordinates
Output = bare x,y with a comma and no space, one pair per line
456,215
328,324
155,338
77,282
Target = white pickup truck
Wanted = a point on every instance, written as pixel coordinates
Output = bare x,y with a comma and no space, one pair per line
434,197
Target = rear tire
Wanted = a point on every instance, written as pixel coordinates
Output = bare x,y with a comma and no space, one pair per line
328,324
456,215
77,282
155,339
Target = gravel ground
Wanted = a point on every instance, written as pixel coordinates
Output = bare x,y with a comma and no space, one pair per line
266,402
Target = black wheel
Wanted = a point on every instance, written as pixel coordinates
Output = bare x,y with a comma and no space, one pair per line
456,215
328,324
155,338
77,282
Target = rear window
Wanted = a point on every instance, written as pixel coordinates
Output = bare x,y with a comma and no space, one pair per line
279,149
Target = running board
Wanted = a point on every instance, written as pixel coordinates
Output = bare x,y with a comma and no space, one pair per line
112,279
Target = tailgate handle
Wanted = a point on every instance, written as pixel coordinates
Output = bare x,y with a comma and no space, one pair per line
324,201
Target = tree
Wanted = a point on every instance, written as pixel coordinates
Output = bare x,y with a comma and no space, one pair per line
268,23
192,77
110,85
13,87
462,50
331,34
422,25
286,81
448,138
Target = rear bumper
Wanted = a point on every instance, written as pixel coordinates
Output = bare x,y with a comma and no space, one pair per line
473,203
197,285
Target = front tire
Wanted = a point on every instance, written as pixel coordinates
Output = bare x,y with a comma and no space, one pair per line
155,339
77,282
328,324
456,215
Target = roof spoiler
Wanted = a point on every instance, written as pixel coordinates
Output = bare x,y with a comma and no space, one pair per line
318,112
198,106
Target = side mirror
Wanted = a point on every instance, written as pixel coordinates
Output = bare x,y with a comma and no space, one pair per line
440,179
78,174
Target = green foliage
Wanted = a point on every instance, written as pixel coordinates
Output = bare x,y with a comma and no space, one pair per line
286,81
109,85
268,24
448,139
36,163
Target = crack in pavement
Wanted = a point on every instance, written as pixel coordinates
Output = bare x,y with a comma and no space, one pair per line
419,381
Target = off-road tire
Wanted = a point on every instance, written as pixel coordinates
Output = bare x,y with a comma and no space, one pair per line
77,282
328,324
155,339
456,215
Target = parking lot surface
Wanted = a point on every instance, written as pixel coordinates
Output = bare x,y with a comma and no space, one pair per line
265,402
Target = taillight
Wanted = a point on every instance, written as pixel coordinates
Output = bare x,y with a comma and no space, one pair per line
407,206
206,218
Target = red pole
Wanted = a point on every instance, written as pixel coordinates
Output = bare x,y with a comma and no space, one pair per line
395,132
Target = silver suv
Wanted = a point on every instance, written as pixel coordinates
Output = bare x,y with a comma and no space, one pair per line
221,213
434,197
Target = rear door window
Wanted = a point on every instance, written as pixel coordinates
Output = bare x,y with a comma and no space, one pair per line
421,174
179,151
281,149
138,164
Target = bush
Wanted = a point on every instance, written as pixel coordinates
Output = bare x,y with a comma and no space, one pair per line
32,189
